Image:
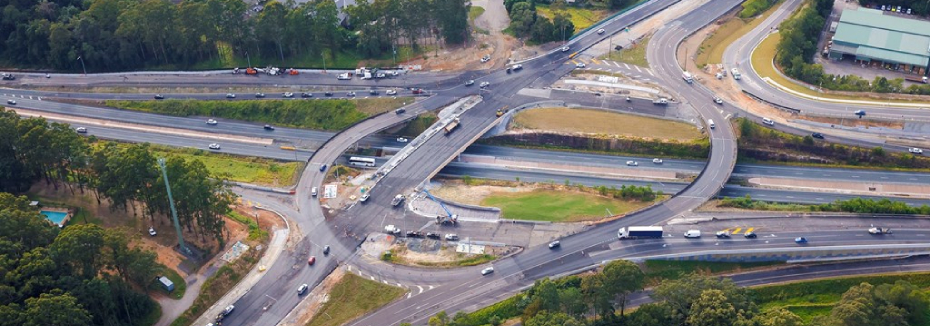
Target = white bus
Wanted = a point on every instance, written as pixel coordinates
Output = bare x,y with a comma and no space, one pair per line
362,161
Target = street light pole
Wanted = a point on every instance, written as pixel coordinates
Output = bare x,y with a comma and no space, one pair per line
81,58
324,61
247,57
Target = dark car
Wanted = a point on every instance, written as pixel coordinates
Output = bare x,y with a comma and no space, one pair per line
305,95
311,261
159,97
414,234
259,95
749,235
432,235
417,91
326,250
269,127
322,167
373,92
817,135
328,93
800,240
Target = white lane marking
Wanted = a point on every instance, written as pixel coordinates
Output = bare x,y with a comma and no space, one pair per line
420,288
626,65
385,282
372,277
431,287
637,68
409,294
650,72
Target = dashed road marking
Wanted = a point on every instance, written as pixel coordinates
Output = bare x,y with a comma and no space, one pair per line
650,72
616,64
595,61
736,231
637,68
421,289
750,230
626,65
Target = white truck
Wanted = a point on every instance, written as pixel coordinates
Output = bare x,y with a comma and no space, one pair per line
660,101
344,76
391,229
397,200
736,74
687,77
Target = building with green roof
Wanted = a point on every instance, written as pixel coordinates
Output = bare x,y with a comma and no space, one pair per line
871,37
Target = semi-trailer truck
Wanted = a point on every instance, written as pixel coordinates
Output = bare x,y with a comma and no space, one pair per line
635,232
916,79
452,125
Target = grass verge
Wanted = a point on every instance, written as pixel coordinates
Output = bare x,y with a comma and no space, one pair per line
180,286
634,55
336,114
217,285
582,18
239,168
605,123
659,270
255,232
418,125
762,62
474,12
558,206
396,256
713,47
826,291
352,297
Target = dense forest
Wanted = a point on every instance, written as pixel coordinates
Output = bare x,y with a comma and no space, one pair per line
130,34
81,275
127,176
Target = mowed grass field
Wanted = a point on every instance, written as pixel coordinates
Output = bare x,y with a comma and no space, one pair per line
604,122
239,168
581,18
712,48
352,297
634,55
558,206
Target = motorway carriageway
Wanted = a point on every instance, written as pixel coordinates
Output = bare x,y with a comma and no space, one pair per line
532,155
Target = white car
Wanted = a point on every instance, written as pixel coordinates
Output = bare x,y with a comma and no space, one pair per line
915,150
391,92
767,121
402,140
230,95
718,100
485,84
469,82
302,289
564,49
486,58
152,232
656,161
350,94
600,31
211,122
517,67
487,271
632,163
81,130
288,95
579,65
365,197
214,146
344,77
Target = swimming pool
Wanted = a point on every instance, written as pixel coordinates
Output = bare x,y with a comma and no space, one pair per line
56,217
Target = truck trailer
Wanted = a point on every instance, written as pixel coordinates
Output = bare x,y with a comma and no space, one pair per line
638,232
916,79
452,125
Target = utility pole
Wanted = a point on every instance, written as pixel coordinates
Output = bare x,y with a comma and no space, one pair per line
81,58
248,58
394,54
174,212
322,55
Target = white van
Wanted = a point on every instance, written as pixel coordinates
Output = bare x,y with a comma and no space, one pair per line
768,121
313,192
710,123
693,234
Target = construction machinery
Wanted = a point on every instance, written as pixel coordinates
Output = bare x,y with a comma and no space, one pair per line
251,71
452,125
449,218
